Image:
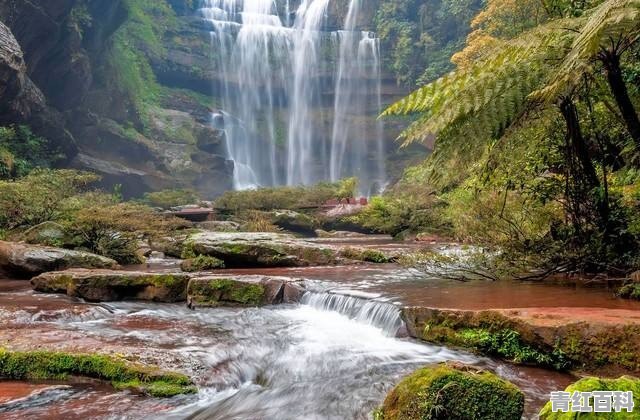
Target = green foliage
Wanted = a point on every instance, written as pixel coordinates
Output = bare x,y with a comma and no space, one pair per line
45,365
624,383
167,199
630,291
285,197
21,152
366,255
114,230
421,35
40,196
453,393
407,208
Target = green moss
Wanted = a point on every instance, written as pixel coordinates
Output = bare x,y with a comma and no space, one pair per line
625,383
200,263
503,342
218,291
452,393
367,255
46,365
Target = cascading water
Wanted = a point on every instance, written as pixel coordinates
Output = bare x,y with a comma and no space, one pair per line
357,144
378,314
275,75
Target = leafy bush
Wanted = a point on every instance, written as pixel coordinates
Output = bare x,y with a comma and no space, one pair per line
21,151
290,198
39,196
114,231
171,198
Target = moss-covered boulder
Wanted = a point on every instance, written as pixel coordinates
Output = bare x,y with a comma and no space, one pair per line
47,365
201,263
625,383
212,291
26,260
112,285
453,393
296,222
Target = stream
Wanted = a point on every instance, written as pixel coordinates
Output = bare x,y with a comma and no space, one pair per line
334,356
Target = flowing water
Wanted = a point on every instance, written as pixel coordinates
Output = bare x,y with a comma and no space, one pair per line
299,103
334,356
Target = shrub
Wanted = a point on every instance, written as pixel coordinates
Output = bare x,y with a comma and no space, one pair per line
114,231
257,221
21,151
171,198
39,196
289,198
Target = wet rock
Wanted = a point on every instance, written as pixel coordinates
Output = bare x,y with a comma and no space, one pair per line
293,221
26,260
259,249
112,285
211,291
201,263
583,338
459,392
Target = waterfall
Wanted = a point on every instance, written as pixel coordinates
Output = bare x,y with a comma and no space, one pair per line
378,314
274,75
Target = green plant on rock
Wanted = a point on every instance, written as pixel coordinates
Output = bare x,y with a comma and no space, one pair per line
630,291
167,199
47,365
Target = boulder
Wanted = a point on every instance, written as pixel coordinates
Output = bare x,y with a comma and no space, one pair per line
584,338
219,226
455,392
26,260
293,221
111,285
242,290
261,249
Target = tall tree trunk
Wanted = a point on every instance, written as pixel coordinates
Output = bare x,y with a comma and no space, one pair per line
611,62
577,143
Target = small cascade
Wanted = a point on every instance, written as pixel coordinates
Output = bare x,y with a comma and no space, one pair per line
378,314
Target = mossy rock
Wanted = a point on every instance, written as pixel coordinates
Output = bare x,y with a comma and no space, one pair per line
365,255
47,365
453,393
201,263
111,285
624,383
225,292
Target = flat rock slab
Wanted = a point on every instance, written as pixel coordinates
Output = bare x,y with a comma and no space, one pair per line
258,249
592,338
198,289
243,290
27,260
113,285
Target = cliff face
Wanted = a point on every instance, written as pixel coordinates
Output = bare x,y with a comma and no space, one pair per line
59,75
126,88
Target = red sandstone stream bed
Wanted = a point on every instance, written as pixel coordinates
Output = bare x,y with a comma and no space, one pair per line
295,361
